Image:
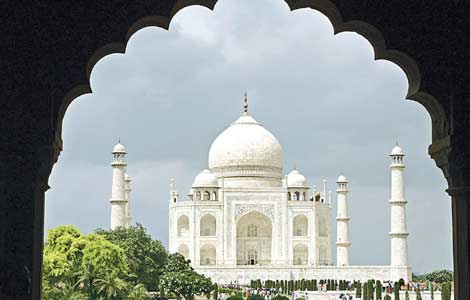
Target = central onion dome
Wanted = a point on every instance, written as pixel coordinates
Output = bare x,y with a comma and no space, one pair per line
246,148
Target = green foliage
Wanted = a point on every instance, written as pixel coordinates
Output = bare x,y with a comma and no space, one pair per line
439,276
111,287
255,297
358,289
365,296
145,257
236,296
418,294
378,290
431,285
396,290
216,291
280,297
138,292
446,291
78,266
180,278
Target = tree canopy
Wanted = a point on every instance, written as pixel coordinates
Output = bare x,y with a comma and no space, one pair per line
77,266
145,257
180,278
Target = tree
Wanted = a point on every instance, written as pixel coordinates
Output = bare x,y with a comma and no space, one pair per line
364,292
73,264
396,290
99,259
378,290
431,288
418,294
137,292
180,279
358,289
145,257
111,287
216,291
446,291
440,276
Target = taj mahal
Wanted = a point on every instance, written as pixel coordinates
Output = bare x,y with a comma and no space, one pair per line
243,219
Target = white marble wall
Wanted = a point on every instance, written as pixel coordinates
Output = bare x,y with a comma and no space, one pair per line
243,274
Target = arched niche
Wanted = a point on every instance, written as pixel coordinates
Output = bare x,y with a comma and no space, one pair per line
207,254
300,225
208,226
183,226
300,254
183,250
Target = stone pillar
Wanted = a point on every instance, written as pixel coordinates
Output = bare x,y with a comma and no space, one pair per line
23,183
459,190
342,219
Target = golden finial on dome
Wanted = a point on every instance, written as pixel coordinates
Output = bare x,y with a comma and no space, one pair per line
245,105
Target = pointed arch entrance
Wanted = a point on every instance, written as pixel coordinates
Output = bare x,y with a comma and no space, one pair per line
254,239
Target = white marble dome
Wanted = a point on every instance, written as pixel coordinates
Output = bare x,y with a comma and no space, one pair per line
205,179
246,148
119,148
296,179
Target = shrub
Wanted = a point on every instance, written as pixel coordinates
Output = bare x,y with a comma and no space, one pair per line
418,294
378,290
255,297
280,297
236,296
396,290
445,291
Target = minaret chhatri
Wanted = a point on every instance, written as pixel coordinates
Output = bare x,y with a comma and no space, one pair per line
118,193
127,185
398,230
342,220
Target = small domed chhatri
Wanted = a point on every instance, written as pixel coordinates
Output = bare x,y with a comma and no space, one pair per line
296,179
119,148
205,179
342,179
397,150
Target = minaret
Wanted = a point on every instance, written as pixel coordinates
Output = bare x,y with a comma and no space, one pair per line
118,194
173,193
398,231
342,220
127,185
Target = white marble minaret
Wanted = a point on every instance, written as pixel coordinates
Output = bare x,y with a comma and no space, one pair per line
342,219
118,194
127,184
398,231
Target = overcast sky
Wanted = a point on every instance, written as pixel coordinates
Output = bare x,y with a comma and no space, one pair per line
333,108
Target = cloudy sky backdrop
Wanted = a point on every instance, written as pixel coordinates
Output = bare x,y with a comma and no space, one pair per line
333,108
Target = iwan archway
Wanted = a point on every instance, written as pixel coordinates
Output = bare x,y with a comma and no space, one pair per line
254,239
32,118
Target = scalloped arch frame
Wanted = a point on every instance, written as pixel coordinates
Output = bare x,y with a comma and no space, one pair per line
326,7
